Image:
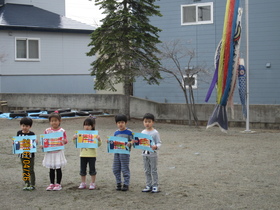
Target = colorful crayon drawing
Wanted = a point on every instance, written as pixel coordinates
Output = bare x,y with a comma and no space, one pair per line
52,141
118,145
24,144
143,141
87,139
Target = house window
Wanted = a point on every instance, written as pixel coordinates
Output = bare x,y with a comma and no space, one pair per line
197,14
190,80
27,49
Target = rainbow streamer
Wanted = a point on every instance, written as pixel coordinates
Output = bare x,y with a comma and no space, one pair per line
226,60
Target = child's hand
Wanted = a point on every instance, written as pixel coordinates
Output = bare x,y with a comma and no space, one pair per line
154,147
41,146
98,138
74,137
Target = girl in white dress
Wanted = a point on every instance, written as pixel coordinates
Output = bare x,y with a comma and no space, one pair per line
55,160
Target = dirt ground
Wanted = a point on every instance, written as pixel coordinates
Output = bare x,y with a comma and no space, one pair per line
198,169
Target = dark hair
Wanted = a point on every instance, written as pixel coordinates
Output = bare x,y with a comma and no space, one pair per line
149,116
120,117
26,121
90,121
55,115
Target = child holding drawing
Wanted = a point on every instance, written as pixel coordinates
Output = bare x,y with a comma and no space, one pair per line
55,160
150,159
27,158
88,156
121,161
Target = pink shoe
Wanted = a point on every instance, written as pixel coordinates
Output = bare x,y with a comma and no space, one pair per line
91,186
50,187
57,187
82,186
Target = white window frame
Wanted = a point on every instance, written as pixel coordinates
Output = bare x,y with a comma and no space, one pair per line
195,81
197,6
27,49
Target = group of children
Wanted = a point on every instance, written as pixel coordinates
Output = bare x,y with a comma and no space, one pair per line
55,160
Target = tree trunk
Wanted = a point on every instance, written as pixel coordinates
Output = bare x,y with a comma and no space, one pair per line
127,97
193,109
188,108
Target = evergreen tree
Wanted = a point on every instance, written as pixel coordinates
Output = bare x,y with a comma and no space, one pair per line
125,45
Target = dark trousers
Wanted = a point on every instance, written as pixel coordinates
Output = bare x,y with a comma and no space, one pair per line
28,174
83,165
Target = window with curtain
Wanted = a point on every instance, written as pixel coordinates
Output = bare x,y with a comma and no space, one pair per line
27,49
197,14
191,80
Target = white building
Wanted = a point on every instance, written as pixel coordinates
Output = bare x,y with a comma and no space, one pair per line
42,51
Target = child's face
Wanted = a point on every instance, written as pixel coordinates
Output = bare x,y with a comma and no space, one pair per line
121,125
25,128
55,123
88,127
148,123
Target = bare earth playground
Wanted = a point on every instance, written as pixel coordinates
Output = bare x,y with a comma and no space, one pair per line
198,169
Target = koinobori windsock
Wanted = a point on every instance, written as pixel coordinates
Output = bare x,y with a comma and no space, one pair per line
242,86
226,64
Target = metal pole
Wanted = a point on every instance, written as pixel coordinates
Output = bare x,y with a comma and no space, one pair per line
247,61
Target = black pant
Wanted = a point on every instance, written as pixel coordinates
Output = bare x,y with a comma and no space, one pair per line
91,162
28,169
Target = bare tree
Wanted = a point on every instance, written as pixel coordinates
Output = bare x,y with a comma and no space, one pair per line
177,62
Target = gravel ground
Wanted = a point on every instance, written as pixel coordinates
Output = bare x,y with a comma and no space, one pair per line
198,169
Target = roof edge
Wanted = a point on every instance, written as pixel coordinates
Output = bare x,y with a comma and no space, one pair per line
24,28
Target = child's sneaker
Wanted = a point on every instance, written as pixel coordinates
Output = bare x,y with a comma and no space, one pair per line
119,186
155,190
82,186
57,187
125,187
91,186
26,186
31,187
147,189
50,187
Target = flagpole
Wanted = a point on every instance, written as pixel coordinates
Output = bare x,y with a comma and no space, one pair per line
247,61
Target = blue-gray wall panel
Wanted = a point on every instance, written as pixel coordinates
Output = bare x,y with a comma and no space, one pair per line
48,84
264,47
